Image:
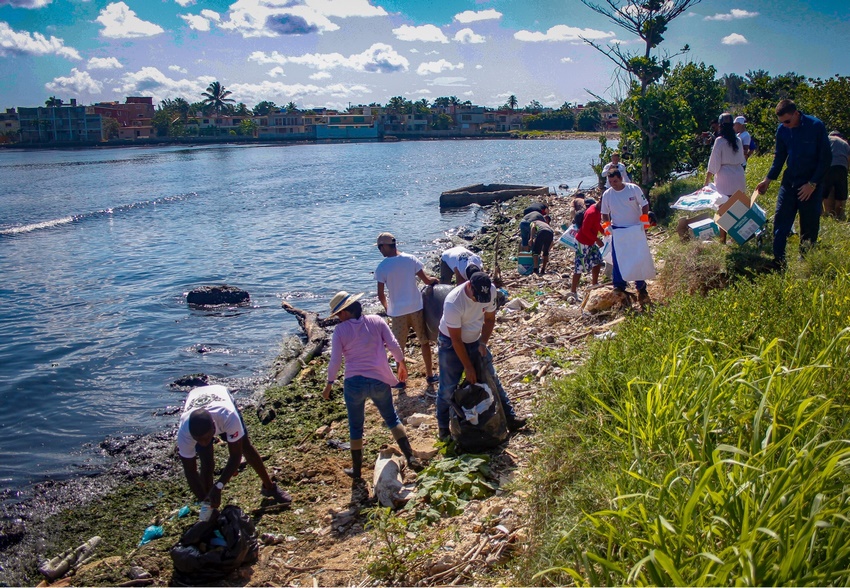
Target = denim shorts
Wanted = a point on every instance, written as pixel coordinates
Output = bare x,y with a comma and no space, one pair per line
356,390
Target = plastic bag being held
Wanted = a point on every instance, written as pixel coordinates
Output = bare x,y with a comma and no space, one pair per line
477,422
210,550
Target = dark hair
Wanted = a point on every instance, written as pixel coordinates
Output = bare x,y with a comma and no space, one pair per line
727,131
355,309
200,422
785,107
578,219
471,269
615,172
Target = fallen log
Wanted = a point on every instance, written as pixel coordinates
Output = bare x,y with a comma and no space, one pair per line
317,338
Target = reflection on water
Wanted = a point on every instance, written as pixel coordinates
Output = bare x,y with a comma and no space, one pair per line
93,320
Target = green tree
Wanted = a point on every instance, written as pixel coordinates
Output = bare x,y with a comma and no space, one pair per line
53,102
829,100
422,107
241,109
534,107
558,120
216,97
764,92
248,127
264,108
699,87
736,93
512,102
648,20
589,119
291,107
110,128
442,122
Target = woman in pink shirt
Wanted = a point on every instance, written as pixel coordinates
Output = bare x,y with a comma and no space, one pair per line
362,341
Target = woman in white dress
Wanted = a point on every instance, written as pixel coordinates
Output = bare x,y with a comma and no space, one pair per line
726,164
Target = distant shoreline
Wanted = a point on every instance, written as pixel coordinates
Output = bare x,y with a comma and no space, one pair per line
230,140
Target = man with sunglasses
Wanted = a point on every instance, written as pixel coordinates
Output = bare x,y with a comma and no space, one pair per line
469,315
802,146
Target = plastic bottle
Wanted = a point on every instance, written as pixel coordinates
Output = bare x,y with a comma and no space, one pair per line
206,510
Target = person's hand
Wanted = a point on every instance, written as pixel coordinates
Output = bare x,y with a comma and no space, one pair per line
402,372
805,192
762,187
470,376
600,243
326,393
214,497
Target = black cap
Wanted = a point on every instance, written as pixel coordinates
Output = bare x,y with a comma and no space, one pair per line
481,286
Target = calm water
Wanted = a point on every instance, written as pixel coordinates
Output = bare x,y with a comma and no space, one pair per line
97,250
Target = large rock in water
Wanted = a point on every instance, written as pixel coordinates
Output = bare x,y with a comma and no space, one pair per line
215,295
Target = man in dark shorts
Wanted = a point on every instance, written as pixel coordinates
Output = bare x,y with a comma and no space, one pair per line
541,239
207,412
536,211
835,179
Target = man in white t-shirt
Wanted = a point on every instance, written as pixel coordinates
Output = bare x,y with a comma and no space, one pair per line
396,276
455,261
624,205
614,164
469,315
740,127
207,412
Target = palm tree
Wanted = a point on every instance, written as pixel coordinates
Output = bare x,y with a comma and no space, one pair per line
512,102
292,107
217,97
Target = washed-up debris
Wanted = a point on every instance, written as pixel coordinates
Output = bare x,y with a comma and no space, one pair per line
337,444
389,488
69,559
151,533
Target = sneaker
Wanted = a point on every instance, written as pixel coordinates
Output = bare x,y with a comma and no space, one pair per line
433,379
276,494
515,424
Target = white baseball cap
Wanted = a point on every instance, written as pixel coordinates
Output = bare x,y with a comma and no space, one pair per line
740,120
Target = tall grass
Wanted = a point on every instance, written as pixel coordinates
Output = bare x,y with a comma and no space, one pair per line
708,443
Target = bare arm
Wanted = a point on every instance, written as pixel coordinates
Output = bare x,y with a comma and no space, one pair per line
190,468
426,279
382,296
486,331
234,458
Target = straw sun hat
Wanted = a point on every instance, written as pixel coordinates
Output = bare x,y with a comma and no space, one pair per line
341,301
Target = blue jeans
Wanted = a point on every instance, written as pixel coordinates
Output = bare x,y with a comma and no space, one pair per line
356,390
451,370
787,205
617,277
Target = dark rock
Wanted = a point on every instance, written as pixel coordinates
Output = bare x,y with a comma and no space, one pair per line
217,295
11,532
191,381
266,414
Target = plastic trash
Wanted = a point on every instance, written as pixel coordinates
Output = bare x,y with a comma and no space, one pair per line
151,533
206,511
184,511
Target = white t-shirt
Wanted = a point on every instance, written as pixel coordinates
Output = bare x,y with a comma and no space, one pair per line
744,136
620,167
398,273
461,311
216,399
624,207
458,258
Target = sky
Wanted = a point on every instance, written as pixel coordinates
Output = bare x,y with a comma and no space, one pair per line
339,52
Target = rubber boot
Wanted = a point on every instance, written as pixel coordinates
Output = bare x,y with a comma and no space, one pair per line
356,463
412,461
444,435
839,209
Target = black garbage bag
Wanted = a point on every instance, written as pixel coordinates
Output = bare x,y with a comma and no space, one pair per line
198,560
477,420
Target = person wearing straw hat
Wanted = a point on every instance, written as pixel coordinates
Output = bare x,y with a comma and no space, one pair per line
362,340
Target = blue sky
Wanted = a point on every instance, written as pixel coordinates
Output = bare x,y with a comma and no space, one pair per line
336,52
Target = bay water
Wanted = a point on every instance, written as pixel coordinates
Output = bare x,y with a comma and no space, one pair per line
98,248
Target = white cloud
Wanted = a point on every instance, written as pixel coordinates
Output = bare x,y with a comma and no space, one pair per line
734,39
346,9
14,42
78,82
178,69
211,15
104,63
470,93
273,18
185,3
561,33
479,66
196,22
469,36
733,14
320,75
567,60
433,52
414,50
435,67
266,90
120,22
448,81
427,33
26,3
468,16
276,72
149,81
379,58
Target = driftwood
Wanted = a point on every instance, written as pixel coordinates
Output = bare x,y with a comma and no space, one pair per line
317,338
69,559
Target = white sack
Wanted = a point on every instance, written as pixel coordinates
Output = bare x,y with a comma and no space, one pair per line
633,255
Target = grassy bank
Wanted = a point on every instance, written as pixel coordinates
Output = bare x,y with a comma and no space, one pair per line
706,444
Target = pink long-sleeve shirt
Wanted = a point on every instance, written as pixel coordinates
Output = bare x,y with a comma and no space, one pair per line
361,342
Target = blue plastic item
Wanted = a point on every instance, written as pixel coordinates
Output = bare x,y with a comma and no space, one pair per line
184,511
151,533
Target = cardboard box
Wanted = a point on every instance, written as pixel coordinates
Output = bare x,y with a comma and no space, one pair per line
682,226
741,217
704,230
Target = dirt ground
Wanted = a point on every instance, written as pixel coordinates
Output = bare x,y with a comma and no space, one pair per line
325,539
